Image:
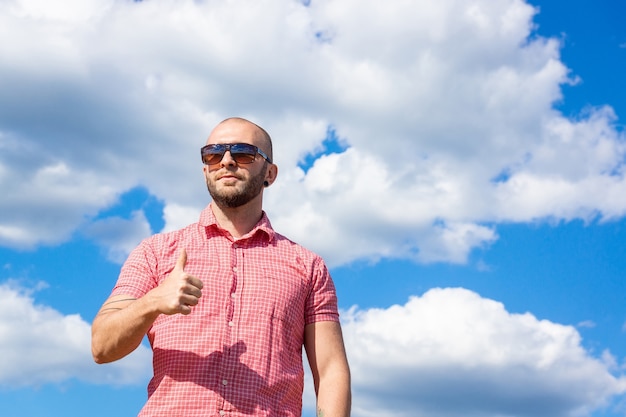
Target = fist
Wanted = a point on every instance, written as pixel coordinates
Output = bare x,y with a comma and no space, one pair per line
179,291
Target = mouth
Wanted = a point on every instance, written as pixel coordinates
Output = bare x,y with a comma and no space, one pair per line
228,178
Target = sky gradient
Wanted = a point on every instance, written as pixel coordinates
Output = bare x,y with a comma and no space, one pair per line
459,165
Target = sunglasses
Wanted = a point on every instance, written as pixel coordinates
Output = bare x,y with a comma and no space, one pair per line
242,153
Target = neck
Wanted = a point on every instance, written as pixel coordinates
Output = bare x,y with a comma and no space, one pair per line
238,221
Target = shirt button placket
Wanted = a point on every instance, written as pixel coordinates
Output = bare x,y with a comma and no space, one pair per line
230,328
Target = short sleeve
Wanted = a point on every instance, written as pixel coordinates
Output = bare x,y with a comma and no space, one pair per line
321,304
139,273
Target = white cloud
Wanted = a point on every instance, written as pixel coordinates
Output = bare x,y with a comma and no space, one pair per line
74,10
40,346
446,353
119,236
451,352
177,216
447,108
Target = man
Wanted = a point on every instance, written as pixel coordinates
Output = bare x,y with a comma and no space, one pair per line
227,303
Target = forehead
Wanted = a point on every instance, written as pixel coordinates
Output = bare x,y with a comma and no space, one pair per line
236,132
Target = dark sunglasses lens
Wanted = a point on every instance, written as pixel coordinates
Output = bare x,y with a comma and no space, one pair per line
243,153
212,158
212,154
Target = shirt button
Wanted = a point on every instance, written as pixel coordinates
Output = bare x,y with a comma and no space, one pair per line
233,295
231,324
234,269
222,413
224,382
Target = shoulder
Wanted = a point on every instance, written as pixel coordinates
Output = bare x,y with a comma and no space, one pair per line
190,233
286,243
295,251
166,242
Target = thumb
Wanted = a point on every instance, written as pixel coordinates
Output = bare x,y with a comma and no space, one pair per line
182,260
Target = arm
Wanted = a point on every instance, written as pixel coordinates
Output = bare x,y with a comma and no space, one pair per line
123,321
325,350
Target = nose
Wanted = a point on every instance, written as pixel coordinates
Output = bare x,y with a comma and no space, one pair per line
227,159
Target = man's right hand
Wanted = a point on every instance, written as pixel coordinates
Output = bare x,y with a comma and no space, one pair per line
122,322
179,291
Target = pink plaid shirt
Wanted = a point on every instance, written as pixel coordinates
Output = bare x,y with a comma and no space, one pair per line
239,353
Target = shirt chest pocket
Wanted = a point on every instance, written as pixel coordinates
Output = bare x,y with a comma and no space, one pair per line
279,297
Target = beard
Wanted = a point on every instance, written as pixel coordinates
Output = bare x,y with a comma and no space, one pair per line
232,197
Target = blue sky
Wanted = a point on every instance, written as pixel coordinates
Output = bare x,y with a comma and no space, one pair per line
460,166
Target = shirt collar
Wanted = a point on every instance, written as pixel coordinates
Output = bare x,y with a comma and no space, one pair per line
207,219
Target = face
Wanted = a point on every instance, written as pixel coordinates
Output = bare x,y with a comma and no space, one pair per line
230,184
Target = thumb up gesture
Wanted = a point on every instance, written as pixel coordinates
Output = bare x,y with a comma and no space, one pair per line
179,291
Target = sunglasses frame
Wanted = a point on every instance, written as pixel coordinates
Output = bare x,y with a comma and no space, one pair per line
249,150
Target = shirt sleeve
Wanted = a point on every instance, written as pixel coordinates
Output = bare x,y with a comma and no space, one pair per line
321,304
139,273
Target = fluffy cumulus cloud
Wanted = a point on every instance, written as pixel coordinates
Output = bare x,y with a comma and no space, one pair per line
444,111
40,345
119,235
446,353
451,352
404,130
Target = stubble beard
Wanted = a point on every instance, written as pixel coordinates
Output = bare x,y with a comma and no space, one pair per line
231,197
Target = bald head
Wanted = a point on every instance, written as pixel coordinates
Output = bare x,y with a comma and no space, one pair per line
260,133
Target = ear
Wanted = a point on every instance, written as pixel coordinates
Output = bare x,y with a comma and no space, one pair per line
270,175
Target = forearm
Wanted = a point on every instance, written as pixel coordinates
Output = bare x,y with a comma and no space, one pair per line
334,396
119,328
329,365
123,321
